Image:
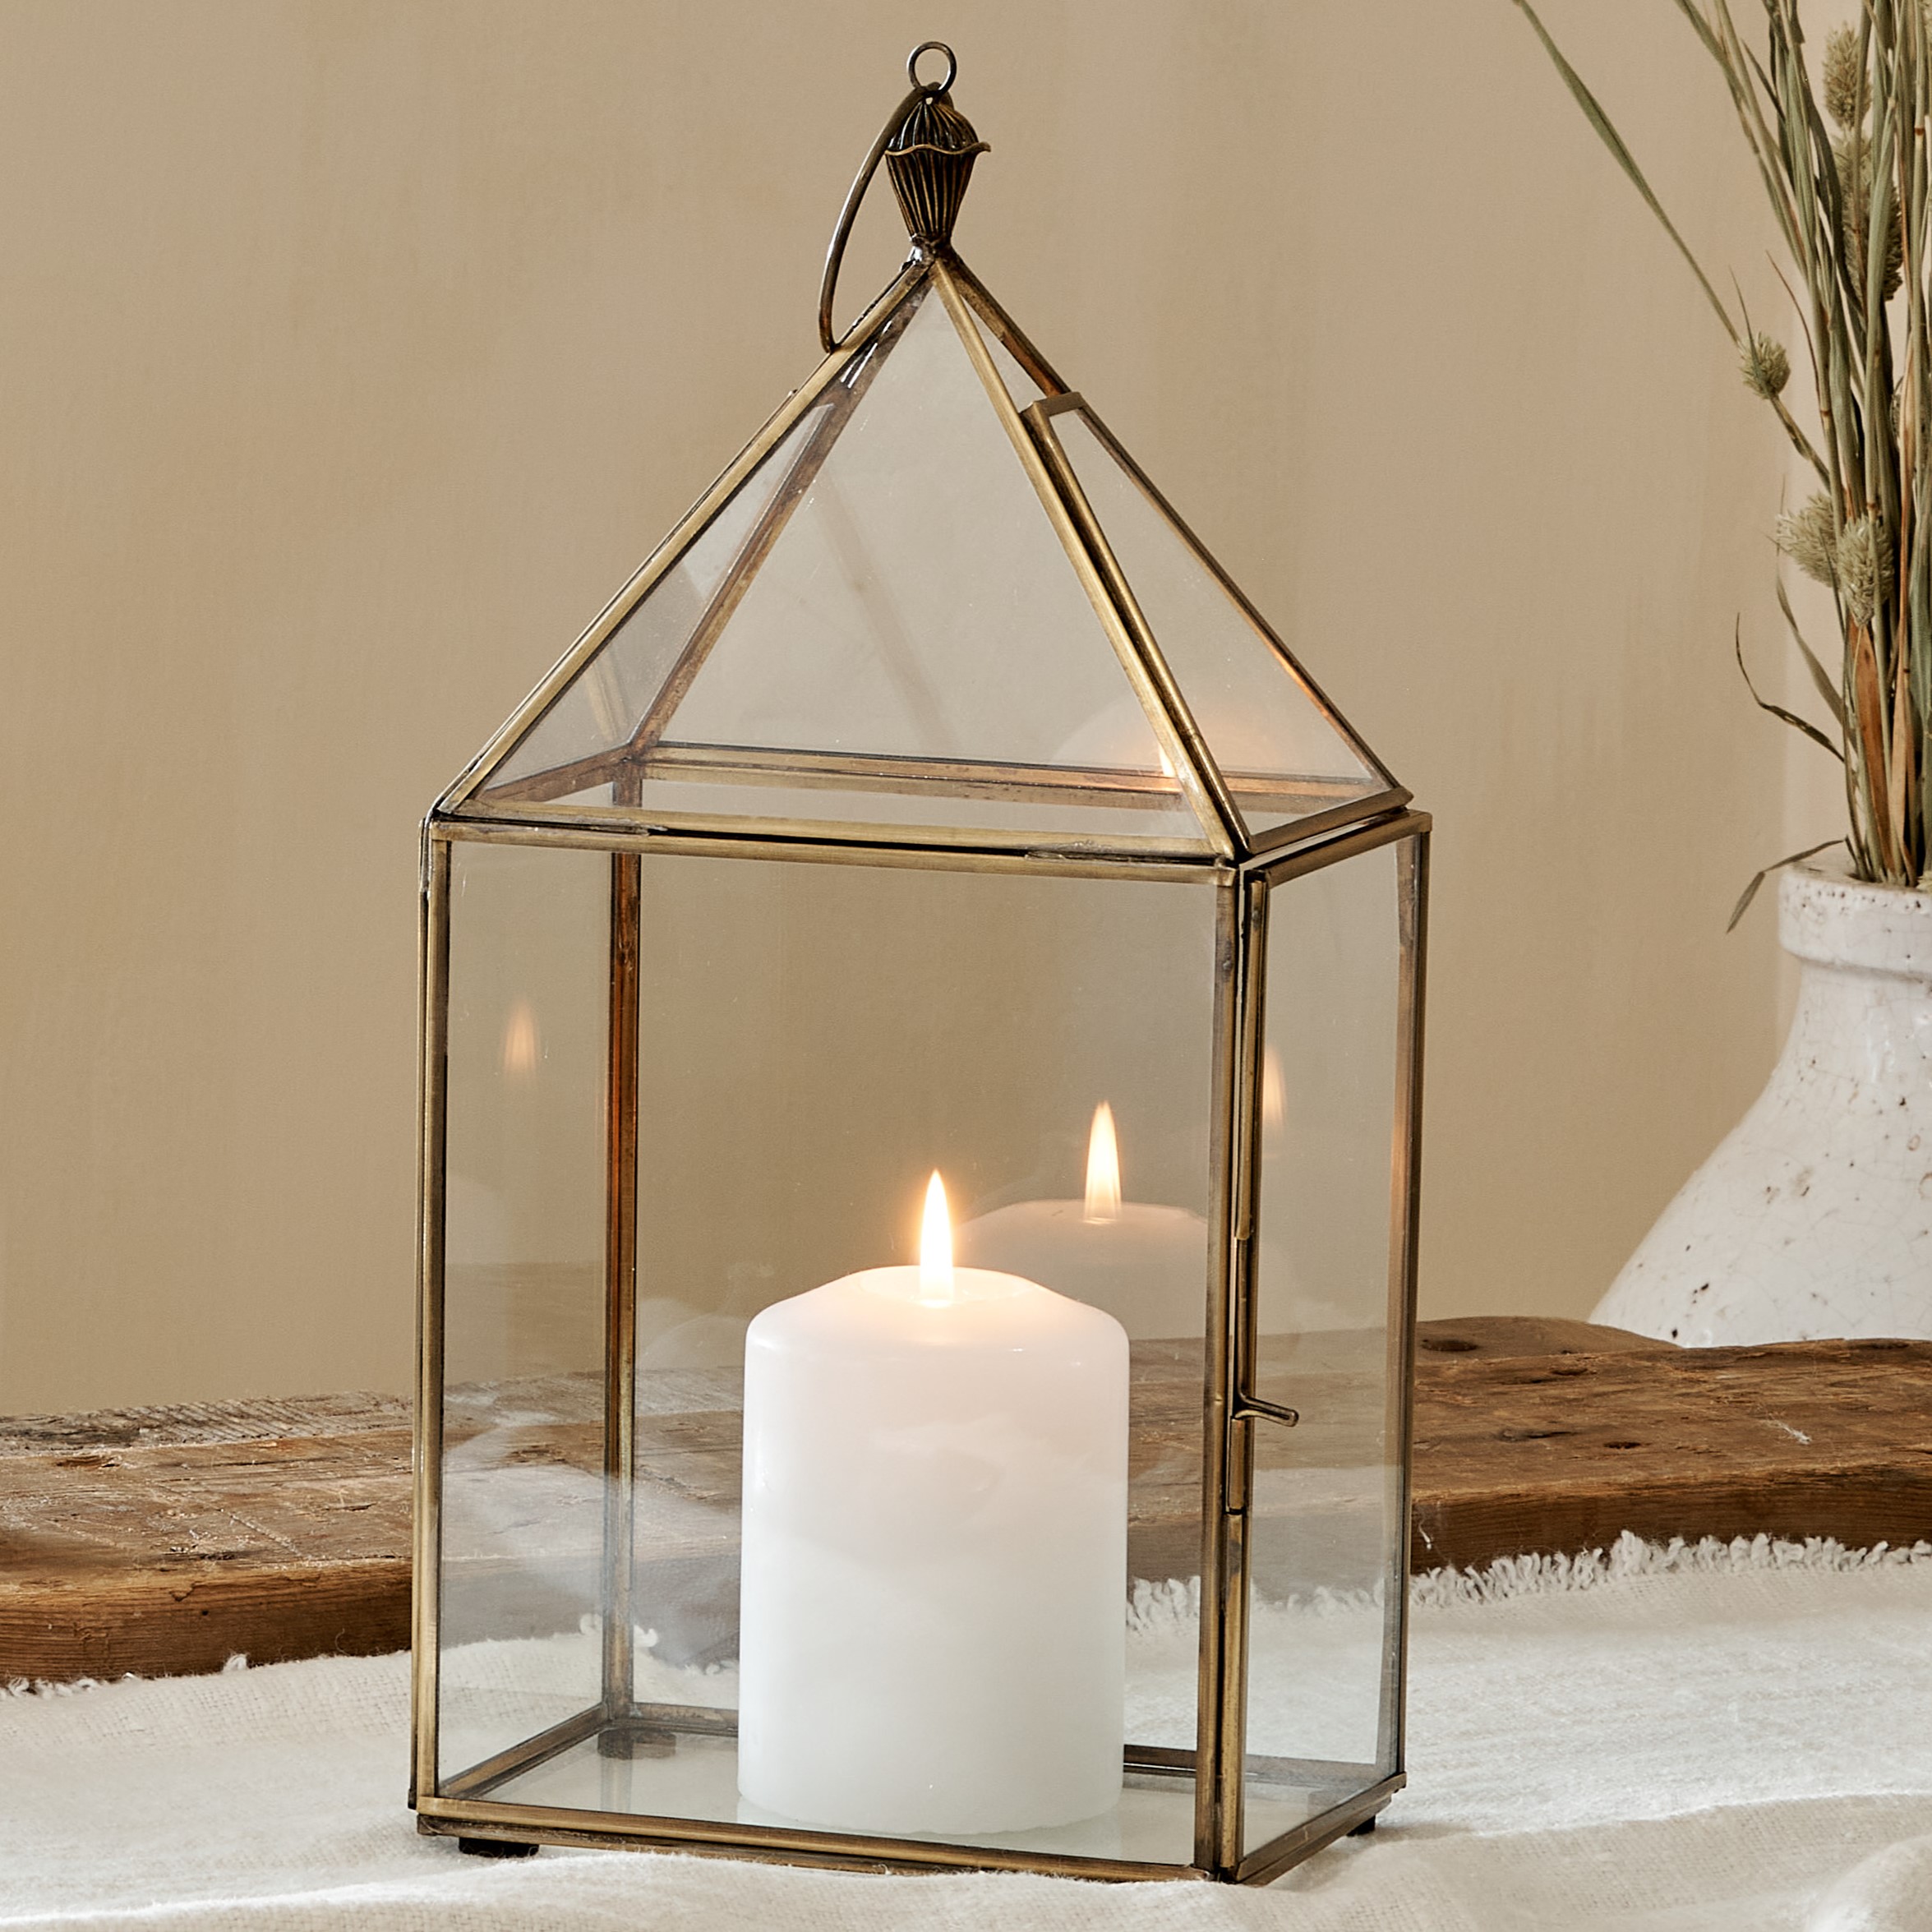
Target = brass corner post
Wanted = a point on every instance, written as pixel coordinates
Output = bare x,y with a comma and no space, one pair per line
432,1073
1215,1829
620,1115
1404,1219
928,148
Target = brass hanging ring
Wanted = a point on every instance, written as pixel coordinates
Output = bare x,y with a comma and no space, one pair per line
944,86
835,254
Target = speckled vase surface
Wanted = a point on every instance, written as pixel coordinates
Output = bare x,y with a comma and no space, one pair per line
1814,1218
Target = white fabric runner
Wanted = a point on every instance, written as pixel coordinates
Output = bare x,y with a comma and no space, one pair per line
1667,1741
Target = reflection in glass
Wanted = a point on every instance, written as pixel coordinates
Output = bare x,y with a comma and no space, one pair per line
1143,1261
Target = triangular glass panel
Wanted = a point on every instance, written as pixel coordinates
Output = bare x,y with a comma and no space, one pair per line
1282,751
880,632
575,745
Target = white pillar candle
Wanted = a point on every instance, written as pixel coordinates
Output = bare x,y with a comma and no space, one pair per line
932,1610
1145,1264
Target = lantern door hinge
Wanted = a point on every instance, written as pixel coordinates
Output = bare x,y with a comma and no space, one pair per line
1237,1491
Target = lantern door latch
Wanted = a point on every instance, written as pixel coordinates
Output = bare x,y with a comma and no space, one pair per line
1239,1490
1249,1408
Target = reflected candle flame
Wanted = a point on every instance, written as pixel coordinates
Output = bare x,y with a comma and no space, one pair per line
935,1248
1273,1105
1103,1168
520,1048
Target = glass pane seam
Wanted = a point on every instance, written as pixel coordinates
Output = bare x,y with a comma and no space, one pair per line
1050,482
1168,708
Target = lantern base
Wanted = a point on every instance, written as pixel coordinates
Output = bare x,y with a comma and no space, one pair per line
553,1825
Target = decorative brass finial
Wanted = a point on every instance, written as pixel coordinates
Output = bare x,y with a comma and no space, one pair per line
930,157
929,147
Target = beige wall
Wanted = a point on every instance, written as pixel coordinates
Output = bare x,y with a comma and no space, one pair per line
353,353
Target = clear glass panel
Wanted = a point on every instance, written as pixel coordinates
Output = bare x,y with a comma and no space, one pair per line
955,1576
1325,1528
881,629
1280,755
523,1297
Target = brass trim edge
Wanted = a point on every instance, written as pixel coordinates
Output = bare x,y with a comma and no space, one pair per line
1269,1860
486,1819
1154,681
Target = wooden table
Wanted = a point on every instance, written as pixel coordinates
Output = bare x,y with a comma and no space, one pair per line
164,1540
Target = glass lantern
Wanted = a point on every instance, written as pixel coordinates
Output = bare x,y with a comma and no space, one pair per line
921,1020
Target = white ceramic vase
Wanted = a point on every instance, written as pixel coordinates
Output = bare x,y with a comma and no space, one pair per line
1814,1218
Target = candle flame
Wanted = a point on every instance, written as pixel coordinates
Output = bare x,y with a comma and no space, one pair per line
935,1248
1103,1168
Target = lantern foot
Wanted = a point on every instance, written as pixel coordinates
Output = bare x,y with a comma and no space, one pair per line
1368,1825
496,1848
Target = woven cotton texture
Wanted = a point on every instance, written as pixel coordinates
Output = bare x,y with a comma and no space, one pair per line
1656,1740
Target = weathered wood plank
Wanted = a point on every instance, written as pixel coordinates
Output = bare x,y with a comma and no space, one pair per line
1800,1439
161,1542
1490,1338
164,1540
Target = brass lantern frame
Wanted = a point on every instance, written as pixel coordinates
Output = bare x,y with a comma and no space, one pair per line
1243,868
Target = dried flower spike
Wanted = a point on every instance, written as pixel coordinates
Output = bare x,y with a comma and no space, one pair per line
1838,132
1810,539
1863,559
1853,156
1843,73
1767,368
